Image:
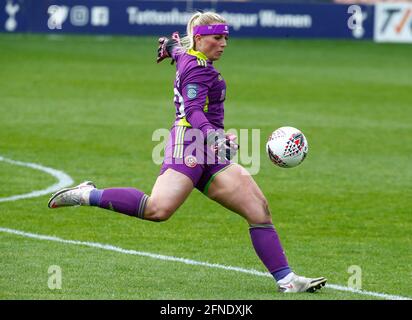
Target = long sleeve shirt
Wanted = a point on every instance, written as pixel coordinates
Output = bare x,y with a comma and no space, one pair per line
199,92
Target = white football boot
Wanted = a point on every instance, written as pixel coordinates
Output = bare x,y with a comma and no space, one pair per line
294,283
76,196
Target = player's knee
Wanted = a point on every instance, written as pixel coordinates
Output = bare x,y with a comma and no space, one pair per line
158,213
259,212
263,209
163,214
265,206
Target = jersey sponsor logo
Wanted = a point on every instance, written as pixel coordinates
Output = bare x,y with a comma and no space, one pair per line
191,91
190,161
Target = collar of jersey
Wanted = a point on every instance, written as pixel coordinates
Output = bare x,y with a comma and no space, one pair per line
197,54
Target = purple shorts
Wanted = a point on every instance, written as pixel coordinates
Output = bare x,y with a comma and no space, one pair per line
187,153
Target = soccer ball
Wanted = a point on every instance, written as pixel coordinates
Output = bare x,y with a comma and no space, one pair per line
287,147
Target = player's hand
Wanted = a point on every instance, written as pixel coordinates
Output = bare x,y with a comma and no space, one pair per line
166,46
223,145
231,146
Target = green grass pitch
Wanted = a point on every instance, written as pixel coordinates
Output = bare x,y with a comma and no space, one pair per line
88,106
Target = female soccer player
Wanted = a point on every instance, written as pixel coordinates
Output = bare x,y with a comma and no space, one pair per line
197,154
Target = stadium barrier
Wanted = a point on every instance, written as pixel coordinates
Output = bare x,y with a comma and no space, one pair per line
382,22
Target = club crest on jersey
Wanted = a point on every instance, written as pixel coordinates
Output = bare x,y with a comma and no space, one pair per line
190,161
191,91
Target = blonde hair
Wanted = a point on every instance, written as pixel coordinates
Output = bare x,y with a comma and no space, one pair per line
199,19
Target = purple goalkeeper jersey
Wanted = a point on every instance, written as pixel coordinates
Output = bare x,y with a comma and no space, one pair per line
199,92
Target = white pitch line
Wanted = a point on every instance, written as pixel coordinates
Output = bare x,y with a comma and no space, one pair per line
185,261
64,180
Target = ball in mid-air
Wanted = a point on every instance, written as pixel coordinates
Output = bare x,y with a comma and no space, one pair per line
287,147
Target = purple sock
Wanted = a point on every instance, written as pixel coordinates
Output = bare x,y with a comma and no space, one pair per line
267,246
129,201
